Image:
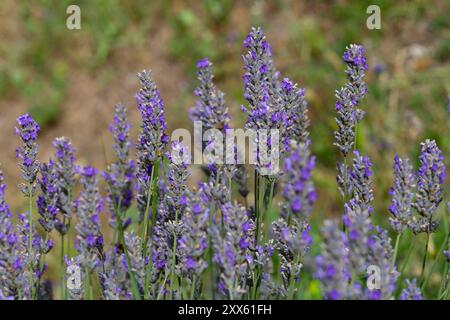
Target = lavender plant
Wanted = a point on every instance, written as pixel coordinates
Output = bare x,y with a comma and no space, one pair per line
201,243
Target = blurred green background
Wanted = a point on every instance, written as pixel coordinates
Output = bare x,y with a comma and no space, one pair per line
69,80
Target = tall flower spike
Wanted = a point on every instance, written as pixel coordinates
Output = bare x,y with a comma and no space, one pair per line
332,265
119,175
354,57
261,90
380,255
10,261
171,206
430,178
89,240
298,189
402,195
293,242
47,201
30,259
65,170
137,260
358,226
411,292
361,181
345,120
152,138
28,131
194,239
232,250
293,100
210,107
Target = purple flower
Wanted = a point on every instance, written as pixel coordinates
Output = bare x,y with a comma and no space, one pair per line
65,171
229,254
361,182
47,201
28,131
333,265
402,195
10,258
194,237
89,205
120,174
430,178
298,189
411,292
152,138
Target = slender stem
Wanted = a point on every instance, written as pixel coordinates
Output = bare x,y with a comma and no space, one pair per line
408,255
119,225
149,270
63,269
269,208
30,238
146,217
444,282
174,255
87,286
424,261
193,288
441,249
397,242
257,209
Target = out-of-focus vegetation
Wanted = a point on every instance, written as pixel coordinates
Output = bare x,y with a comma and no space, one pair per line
43,68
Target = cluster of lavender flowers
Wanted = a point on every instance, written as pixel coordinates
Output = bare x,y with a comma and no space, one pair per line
200,242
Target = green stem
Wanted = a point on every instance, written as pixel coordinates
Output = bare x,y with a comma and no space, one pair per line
134,286
174,255
257,209
408,255
149,271
397,242
441,249
424,261
193,288
30,238
146,217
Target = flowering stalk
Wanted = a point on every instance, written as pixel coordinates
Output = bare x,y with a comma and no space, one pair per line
150,147
28,131
430,177
348,98
402,195
65,171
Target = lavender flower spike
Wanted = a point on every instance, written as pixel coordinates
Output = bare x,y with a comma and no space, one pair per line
28,131
10,261
232,250
261,90
345,120
293,100
402,195
332,265
430,178
354,57
361,181
65,170
89,240
193,242
210,107
152,138
48,198
380,255
411,292
119,175
298,189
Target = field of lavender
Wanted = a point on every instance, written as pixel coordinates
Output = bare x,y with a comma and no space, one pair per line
165,239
